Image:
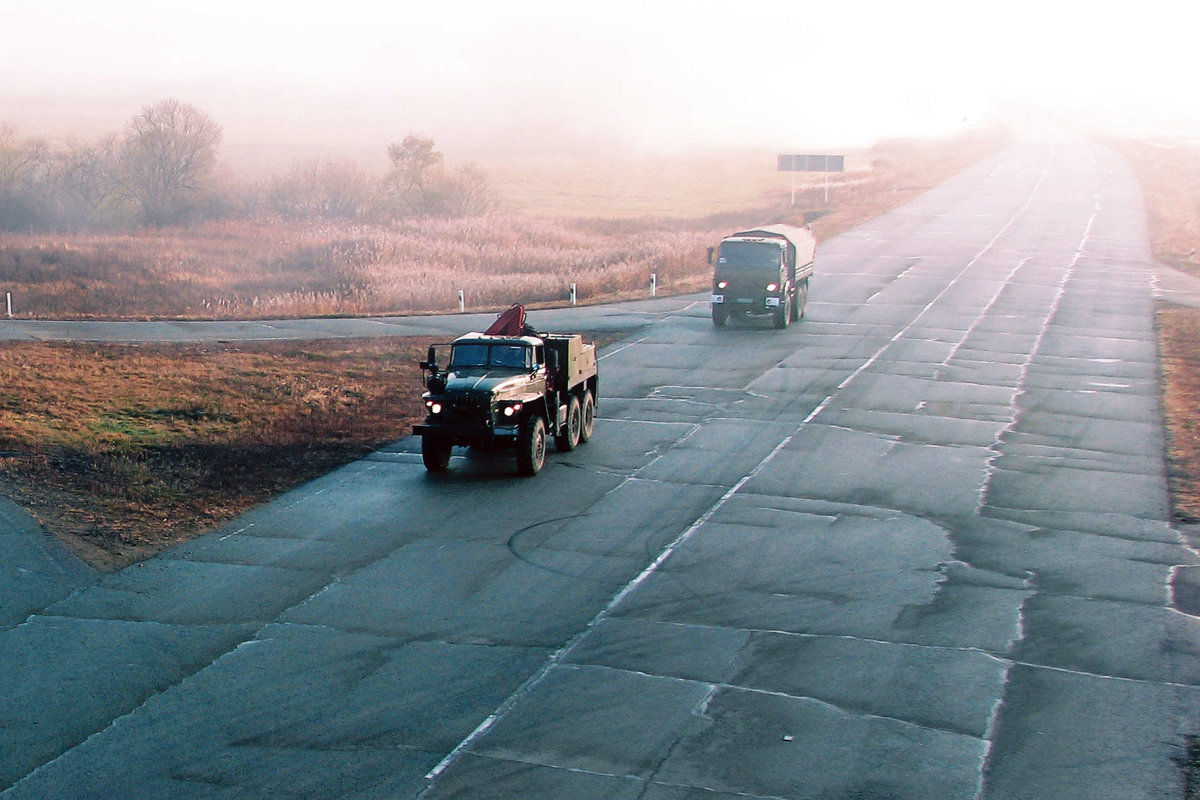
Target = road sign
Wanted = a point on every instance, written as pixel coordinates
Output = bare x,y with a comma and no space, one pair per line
798,163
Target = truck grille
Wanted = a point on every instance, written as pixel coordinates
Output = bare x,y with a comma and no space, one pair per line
467,407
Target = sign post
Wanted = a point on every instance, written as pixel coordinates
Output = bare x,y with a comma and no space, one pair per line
799,163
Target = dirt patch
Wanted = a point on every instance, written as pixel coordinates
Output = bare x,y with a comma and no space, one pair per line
122,450
1179,342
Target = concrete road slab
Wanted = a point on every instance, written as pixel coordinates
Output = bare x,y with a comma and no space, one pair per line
1073,735
36,569
771,745
876,470
64,679
597,720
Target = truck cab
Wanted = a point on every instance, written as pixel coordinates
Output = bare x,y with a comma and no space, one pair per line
762,272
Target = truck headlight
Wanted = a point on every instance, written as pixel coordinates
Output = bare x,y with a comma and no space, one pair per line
772,287
433,406
510,411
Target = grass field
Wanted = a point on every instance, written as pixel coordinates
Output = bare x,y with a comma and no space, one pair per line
123,450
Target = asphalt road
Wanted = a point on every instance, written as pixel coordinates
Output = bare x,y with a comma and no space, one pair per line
915,546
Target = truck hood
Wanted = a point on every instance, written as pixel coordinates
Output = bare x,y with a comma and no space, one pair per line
485,380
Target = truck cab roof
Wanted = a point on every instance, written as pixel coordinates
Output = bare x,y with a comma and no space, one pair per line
484,338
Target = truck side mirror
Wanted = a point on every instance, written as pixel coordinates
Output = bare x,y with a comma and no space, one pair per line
710,254
430,361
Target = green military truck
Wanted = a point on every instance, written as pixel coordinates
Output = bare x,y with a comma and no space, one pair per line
508,387
763,272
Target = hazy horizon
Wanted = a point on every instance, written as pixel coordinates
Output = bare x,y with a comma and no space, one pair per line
528,78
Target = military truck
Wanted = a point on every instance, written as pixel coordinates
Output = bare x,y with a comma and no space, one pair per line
508,387
762,272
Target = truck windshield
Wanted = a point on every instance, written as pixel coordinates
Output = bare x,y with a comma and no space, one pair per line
749,254
490,355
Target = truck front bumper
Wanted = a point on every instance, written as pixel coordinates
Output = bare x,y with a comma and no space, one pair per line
748,305
465,435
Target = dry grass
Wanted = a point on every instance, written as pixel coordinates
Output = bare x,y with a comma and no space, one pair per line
1179,340
247,270
123,449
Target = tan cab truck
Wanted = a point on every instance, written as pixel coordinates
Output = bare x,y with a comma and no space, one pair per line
508,387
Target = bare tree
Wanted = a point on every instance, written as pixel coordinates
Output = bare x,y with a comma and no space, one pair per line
24,169
468,192
325,188
411,185
419,183
170,148
87,184
412,162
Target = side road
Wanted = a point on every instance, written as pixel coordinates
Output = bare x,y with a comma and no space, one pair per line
627,316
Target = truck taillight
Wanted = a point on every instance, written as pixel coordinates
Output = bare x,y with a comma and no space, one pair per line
772,287
722,284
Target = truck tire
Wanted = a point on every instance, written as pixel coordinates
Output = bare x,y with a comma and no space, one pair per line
568,440
783,314
587,417
720,315
435,452
531,446
802,299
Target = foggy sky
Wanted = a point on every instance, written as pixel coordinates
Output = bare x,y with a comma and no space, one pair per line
546,76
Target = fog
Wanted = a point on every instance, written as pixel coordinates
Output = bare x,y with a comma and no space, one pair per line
529,77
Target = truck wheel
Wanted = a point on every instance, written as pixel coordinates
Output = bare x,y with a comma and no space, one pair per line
568,440
802,299
531,446
587,417
435,452
783,314
720,316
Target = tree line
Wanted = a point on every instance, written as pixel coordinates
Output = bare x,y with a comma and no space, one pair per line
160,171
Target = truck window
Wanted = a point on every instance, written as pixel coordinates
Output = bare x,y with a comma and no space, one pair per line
516,356
469,355
510,355
749,254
